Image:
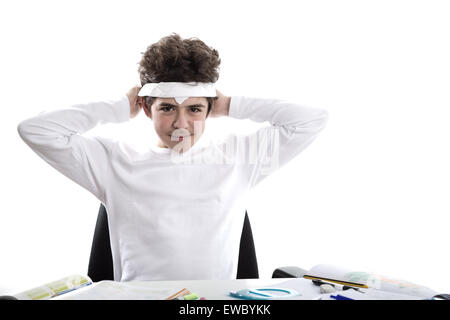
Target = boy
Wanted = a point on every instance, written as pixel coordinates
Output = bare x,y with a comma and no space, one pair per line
175,212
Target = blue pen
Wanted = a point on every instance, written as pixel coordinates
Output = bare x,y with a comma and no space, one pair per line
339,297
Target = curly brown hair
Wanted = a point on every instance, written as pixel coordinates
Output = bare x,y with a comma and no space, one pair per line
173,59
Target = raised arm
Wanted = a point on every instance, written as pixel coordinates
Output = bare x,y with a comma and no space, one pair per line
57,137
292,128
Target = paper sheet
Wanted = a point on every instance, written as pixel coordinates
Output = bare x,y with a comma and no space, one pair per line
112,290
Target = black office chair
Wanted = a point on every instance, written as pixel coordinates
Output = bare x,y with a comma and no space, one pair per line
101,264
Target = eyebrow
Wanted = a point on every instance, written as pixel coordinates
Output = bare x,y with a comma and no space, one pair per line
166,104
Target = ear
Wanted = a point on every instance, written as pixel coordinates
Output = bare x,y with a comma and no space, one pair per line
147,110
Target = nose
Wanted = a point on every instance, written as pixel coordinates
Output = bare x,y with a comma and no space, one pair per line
181,121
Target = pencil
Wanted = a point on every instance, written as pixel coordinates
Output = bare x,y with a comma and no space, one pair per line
344,283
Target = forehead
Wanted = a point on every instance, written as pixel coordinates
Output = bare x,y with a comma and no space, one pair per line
189,101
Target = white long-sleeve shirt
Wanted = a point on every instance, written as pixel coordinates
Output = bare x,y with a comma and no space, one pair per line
172,218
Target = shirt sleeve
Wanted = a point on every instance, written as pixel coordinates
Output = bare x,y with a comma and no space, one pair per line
291,129
57,137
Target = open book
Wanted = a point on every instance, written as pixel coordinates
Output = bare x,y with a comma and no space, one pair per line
378,286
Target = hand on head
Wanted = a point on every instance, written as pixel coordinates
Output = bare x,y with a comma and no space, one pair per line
136,102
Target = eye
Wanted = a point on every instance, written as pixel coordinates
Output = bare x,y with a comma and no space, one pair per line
166,109
195,109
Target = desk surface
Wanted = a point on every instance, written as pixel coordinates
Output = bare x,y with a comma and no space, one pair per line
218,290
211,289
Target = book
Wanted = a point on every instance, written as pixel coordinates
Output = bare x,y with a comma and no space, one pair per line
375,286
55,288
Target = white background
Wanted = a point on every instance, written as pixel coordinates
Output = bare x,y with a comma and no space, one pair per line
371,193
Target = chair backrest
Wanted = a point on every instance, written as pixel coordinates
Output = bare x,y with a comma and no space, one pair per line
101,264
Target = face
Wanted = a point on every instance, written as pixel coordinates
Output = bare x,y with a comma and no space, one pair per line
178,126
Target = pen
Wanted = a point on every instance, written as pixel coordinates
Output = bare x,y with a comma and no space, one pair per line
339,297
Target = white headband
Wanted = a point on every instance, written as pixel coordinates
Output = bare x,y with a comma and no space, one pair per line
178,90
